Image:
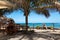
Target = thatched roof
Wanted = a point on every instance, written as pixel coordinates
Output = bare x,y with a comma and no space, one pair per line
4,21
5,4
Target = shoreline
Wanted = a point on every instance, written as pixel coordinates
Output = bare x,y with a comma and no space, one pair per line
56,25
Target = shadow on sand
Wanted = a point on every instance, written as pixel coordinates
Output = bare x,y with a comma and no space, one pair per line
31,35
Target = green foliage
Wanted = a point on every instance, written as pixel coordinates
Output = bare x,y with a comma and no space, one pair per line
51,27
37,27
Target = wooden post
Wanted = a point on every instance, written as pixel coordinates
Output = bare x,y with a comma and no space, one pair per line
33,26
53,26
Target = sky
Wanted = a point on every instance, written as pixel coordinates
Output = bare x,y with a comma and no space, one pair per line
19,17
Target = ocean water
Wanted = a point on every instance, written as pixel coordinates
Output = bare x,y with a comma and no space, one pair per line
56,25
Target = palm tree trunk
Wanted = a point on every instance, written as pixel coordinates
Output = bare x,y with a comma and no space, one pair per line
26,22
26,19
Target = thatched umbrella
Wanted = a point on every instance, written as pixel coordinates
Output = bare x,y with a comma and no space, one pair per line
5,4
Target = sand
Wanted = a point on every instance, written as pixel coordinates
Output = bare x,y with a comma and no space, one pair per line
38,35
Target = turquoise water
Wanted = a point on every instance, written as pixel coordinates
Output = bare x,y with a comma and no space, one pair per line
56,25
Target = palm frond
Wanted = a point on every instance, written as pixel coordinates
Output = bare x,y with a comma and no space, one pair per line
43,11
25,5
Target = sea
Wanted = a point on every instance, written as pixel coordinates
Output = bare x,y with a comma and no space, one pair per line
56,25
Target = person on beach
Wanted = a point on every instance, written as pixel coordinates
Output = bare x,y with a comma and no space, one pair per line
44,26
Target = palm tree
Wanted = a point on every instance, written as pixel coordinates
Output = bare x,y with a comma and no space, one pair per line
40,6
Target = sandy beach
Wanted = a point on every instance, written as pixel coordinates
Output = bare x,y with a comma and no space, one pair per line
37,35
